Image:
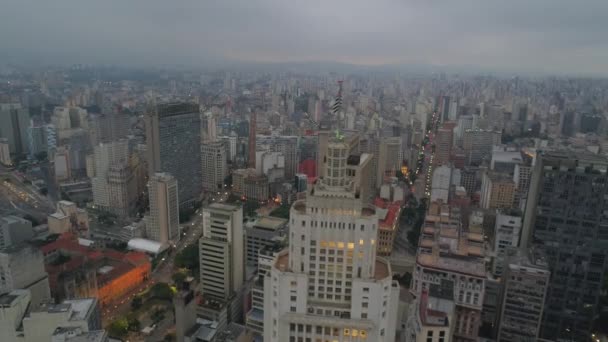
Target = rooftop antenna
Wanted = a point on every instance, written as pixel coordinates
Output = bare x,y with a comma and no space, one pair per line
336,108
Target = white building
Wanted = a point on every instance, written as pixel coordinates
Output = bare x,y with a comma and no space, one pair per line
23,268
214,168
14,230
162,223
106,156
5,152
440,186
221,250
329,285
506,234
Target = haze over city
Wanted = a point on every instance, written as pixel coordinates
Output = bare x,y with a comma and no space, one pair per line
319,171
559,36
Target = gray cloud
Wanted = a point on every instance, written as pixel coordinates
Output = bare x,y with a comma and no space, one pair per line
542,35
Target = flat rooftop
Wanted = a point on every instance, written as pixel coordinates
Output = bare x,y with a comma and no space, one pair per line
270,223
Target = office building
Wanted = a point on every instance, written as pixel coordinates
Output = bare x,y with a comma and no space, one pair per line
5,152
565,212
448,250
431,318
14,230
497,191
477,145
254,318
301,182
222,260
507,231
389,159
441,183
444,140
256,188
221,251
329,284
108,127
465,123
36,139
173,138
22,267
287,146
112,183
14,121
263,232
523,299
214,165
162,223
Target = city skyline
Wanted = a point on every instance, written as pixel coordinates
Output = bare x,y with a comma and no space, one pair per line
542,36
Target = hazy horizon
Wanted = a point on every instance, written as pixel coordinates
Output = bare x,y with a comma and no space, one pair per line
541,36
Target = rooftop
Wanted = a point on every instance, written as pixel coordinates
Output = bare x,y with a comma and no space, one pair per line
270,223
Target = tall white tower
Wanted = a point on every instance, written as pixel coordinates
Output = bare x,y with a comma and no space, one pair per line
329,285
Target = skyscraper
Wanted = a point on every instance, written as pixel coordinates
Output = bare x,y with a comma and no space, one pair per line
566,213
329,284
162,223
214,165
109,156
173,138
14,121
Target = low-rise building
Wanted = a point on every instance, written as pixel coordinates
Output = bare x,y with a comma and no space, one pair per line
388,225
432,317
264,231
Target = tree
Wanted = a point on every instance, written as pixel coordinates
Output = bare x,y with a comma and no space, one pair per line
41,156
250,207
136,303
133,323
158,315
179,277
188,258
119,328
161,291
282,211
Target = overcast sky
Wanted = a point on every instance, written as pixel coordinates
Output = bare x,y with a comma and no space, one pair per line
543,35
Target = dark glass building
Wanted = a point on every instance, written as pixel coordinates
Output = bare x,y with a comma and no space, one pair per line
173,139
566,213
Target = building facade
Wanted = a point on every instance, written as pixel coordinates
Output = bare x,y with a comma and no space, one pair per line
329,284
565,214
162,223
173,138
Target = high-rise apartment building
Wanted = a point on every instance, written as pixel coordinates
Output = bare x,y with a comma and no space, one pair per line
214,165
162,223
523,298
329,284
566,213
448,250
14,121
173,138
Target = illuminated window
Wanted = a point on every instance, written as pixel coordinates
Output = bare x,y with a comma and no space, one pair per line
332,244
346,332
373,242
340,244
323,243
351,245
361,242
363,334
354,333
